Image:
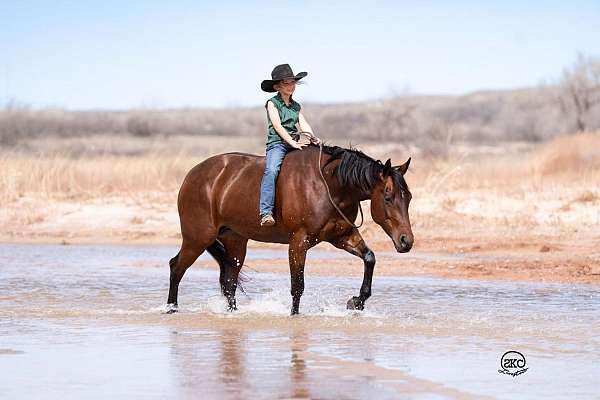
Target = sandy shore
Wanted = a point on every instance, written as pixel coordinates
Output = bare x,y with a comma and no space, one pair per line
475,234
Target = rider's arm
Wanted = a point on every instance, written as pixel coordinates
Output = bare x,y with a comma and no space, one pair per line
305,127
276,122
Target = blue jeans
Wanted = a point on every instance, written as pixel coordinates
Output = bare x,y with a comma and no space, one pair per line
275,153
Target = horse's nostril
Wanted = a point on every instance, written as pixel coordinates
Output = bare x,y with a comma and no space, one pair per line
405,244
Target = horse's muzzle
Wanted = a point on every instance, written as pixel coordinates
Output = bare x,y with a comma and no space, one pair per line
405,244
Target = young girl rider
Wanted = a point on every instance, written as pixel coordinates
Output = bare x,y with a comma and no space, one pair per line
283,113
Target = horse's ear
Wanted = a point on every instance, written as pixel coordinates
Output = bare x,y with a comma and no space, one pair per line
387,168
404,167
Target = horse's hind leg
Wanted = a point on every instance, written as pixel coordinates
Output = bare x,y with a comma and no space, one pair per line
190,251
230,253
299,245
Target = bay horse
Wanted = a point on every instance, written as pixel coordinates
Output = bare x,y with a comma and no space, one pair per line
218,211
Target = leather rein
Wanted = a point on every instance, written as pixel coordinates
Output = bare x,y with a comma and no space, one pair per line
362,218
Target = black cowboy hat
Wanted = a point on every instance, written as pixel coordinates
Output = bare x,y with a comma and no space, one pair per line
280,72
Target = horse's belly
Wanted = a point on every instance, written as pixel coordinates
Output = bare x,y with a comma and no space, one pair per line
270,234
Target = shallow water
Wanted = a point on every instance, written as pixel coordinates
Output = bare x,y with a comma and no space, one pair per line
86,322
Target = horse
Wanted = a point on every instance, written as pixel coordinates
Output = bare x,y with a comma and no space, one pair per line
218,210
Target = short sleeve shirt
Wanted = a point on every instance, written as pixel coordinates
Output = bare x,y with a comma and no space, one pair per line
288,114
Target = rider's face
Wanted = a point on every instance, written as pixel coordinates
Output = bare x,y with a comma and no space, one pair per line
287,86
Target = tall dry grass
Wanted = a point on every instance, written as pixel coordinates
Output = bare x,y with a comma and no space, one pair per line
104,165
577,155
59,176
572,160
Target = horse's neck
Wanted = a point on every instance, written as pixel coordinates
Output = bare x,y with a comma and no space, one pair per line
339,191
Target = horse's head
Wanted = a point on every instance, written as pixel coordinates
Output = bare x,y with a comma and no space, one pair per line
390,198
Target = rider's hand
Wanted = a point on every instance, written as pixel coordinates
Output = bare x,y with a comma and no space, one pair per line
315,140
297,145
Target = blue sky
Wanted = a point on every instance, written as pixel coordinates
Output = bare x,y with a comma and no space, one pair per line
123,54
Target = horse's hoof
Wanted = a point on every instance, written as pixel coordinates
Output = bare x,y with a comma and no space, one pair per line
355,303
171,309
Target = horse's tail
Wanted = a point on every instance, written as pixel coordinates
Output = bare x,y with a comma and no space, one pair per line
218,252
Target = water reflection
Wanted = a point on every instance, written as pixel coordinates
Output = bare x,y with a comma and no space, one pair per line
227,364
231,361
298,346
417,336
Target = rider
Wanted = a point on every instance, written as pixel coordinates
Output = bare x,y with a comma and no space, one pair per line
283,113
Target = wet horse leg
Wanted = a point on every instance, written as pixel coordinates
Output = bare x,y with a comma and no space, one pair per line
191,249
355,244
179,264
235,253
299,245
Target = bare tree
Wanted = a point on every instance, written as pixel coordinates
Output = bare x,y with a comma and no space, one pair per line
581,89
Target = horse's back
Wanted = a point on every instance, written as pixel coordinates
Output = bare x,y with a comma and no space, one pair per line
211,168
233,163
227,186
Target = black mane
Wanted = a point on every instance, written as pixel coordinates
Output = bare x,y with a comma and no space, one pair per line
358,170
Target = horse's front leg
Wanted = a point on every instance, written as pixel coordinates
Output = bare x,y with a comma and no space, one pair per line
299,245
354,244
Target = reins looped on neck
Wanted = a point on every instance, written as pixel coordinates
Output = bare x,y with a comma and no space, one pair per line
362,218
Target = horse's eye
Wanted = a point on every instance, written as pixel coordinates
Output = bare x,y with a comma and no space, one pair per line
387,198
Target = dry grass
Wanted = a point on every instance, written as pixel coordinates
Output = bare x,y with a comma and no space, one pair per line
98,166
574,154
507,169
61,176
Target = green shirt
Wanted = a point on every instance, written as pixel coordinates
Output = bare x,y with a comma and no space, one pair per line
288,116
